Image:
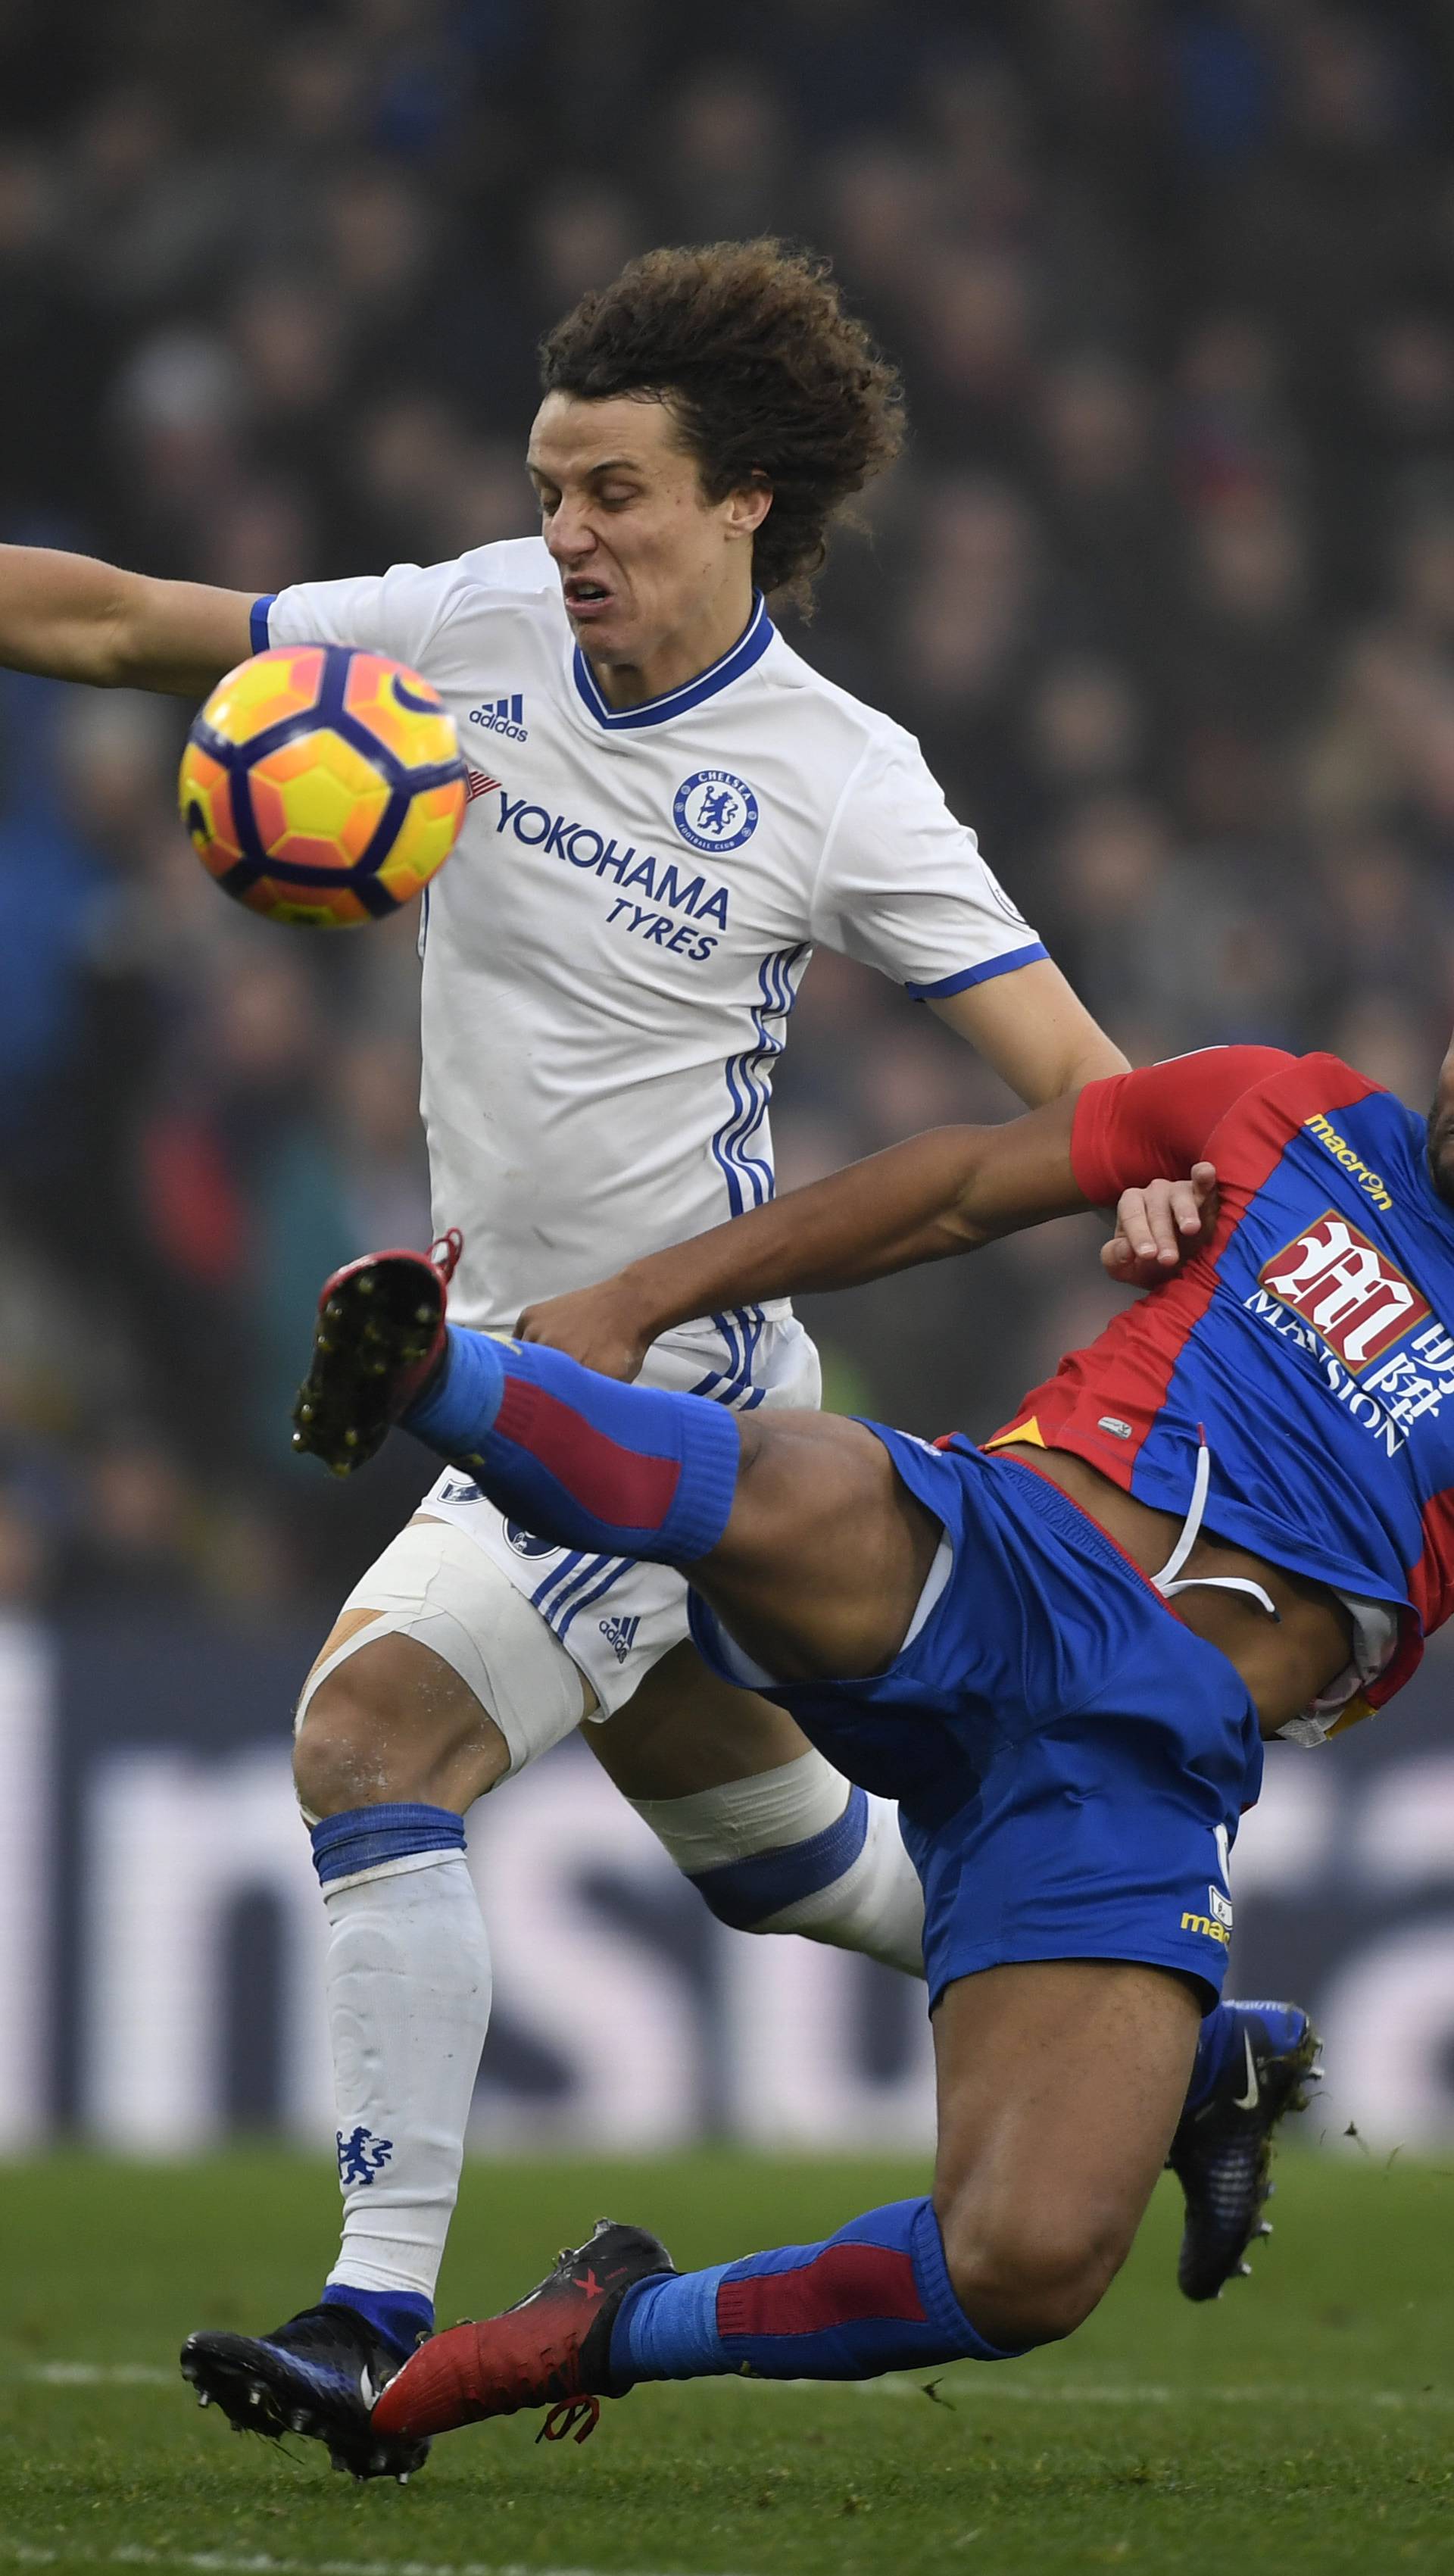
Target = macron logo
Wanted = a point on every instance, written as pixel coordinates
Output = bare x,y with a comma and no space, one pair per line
502,715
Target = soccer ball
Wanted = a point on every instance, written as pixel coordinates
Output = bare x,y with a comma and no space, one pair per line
322,784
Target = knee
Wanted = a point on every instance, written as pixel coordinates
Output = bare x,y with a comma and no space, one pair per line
340,1752
1027,2276
393,1721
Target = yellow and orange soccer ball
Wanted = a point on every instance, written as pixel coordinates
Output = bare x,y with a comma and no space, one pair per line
322,784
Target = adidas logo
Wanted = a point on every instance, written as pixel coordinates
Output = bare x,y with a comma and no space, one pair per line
502,715
620,1635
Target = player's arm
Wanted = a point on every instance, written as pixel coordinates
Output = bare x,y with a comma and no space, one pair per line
1037,1033
938,1194
1034,1029
71,617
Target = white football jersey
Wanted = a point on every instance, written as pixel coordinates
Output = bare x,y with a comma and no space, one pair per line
612,952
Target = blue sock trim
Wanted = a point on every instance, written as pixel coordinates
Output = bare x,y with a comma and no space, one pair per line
363,1837
666,2328
941,2307
710,1446
744,1892
400,2318
460,1406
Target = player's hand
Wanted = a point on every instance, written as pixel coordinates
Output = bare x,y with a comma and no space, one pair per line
601,1327
1160,1227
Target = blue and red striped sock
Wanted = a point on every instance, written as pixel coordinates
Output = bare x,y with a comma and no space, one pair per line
582,1459
875,2297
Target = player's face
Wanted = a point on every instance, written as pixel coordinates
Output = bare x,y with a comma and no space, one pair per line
656,578
1441,1131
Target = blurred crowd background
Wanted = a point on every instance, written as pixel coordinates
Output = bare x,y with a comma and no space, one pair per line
1165,585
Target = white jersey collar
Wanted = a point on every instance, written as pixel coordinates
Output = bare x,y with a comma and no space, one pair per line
750,647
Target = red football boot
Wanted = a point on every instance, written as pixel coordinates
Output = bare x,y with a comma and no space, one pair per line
552,2348
380,1333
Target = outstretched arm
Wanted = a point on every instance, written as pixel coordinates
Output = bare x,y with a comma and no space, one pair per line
73,618
1040,1038
940,1193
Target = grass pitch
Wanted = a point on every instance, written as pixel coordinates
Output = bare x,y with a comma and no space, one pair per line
1303,2424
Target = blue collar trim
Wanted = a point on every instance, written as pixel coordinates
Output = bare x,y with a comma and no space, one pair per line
750,647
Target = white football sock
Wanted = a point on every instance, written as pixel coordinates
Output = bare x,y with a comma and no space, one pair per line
408,1981
797,1850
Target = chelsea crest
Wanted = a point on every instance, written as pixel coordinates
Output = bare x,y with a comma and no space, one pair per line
715,811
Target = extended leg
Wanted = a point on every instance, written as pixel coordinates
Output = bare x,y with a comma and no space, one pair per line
1059,2087
795,1525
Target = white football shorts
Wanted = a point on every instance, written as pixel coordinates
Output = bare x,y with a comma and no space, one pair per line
521,1620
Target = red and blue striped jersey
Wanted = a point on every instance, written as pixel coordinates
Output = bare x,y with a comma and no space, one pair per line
1312,1339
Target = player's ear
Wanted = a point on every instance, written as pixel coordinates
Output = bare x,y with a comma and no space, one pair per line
748,506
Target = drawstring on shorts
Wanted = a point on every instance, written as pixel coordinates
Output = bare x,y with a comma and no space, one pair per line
1171,1580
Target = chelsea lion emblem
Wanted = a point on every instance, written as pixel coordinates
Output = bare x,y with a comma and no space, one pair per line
715,811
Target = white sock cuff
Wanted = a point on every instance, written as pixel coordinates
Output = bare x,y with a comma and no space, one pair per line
394,1869
744,1817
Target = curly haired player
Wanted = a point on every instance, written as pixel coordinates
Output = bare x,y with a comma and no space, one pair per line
669,809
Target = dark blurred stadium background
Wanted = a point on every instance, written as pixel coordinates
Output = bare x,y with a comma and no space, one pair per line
1166,588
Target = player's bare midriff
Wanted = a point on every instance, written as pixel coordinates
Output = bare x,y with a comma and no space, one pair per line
1285,1662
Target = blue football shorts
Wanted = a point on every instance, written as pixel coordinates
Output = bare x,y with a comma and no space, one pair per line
1070,1762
